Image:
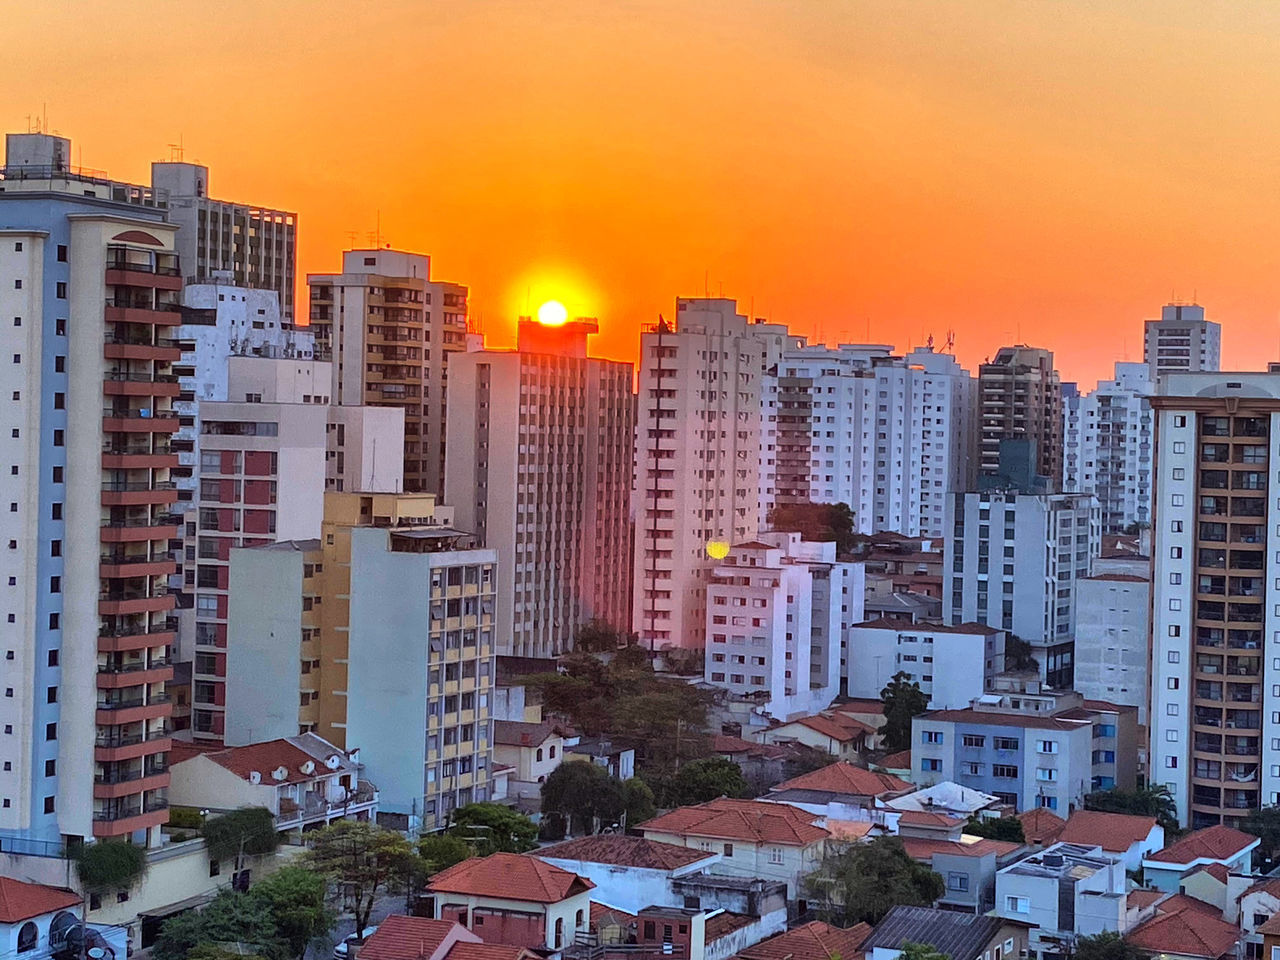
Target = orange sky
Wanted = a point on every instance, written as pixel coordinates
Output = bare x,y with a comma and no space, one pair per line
1052,169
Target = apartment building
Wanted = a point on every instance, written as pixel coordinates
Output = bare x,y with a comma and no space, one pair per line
1113,634
1020,396
697,462
1049,541
86,434
390,330
1066,891
1109,446
246,244
539,469
777,611
951,664
1215,704
1181,341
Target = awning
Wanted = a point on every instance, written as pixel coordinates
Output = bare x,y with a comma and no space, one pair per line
170,909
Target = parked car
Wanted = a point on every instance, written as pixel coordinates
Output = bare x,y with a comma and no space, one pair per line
341,951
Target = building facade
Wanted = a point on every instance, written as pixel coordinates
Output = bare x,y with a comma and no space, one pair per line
951,664
1020,396
1181,341
1113,634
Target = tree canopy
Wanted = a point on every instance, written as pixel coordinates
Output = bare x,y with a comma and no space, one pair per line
110,865
1264,823
249,830
1153,800
701,780
996,828
818,521
440,851
584,794
1108,945
596,636
492,828
903,699
230,917
295,898
922,951
868,879
364,858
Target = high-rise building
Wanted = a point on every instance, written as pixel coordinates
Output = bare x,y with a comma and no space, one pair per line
90,286
1215,698
1016,561
243,244
1020,397
385,627
1108,446
697,462
390,330
1113,630
539,469
1181,341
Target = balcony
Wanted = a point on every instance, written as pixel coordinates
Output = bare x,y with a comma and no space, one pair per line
139,421
122,787
121,711
113,748
133,529
121,602
121,345
118,564
139,310
122,822
119,675
133,493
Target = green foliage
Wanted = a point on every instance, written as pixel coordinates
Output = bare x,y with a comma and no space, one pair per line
110,865
818,521
903,700
440,851
492,828
922,951
701,780
294,896
868,879
249,830
212,951
637,802
802,758
1264,823
231,917
596,636
1108,945
1002,828
364,858
1017,654
1152,800
585,794
187,818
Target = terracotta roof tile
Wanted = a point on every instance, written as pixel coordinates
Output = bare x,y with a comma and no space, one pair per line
861,705
21,901
1141,899
1115,832
845,778
723,743
407,938
1218,871
751,821
724,923
1269,885
1041,825
624,851
1181,901
815,940
843,729
517,733
896,761
1178,933
1271,927
487,951
602,913
923,848
923,818
511,876
265,757
1212,843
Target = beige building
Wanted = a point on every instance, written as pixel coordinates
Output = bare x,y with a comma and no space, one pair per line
389,330
1020,396
539,469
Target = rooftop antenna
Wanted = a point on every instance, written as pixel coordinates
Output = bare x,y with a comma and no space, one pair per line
378,229
44,110
706,283
176,151
951,341
351,237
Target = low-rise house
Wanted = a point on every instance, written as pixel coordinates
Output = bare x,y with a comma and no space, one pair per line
1232,848
839,791
1212,884
686,933
419,938
1252,907
950,798
1066,891
762,763
305,781
899,764
1270,933
617,760
942,659
629,872
532,750
838,734
967,866
512,899
772,841
35,919
1182,928
1041,827
815,940
1133,837
960,936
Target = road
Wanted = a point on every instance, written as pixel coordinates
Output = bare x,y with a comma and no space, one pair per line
346,925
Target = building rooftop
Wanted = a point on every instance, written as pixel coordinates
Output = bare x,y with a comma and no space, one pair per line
751,821
519,733
901,626
924,818
1041,826
510,876
815,940
272,757
947,796
724,923
896,761
953,934
992,718
406,938
1188,932
925,848
1212,843
21,901
723,743
1113,832
624,851
1066,861
838,727
846,779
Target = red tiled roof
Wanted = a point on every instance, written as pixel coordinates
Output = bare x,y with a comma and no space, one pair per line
517,733
407,938
723,743
1141,899
1272,926
1181,901
845,778
897,761
751,821
1106,706
509,876
1269,885
1115,832
486,951
603,913
724,923
1212,843
21,901
923,818
923,849
624,851
1200,935
266,757
815,940
1218,871
1041,825
900,626
859,705
843,729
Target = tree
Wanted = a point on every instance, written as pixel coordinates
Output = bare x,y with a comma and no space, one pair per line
701,780
637,802
818,521
1108,945
903,700
110,865
868,879
295,898
249,830
1017,654
1153,800
596,636
212,951
586,795
922,951
665,725
440,851
1264,823
230,917
492,828
802,758
993,828
362,857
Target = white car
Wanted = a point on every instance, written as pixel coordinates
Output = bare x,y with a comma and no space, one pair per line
341,950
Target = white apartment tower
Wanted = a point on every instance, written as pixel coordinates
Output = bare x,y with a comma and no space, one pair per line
1181,341
538,469
1108,446
1015,563
1215,689
697,462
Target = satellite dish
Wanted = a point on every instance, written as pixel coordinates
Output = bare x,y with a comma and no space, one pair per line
96,953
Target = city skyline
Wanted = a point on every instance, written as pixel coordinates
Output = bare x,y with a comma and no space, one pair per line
1042,183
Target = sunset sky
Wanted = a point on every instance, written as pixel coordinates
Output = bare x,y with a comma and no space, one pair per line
1049,171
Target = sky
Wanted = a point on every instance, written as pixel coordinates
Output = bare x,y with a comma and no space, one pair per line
871,170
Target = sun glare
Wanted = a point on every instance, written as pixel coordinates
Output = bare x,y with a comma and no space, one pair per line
552,313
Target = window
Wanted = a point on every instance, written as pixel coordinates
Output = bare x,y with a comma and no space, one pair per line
728,849
1017,904
1006,743
931,736
1046,774
27,935
973,740
1004,771
775,855
931,764
48,804
957,881
1048,746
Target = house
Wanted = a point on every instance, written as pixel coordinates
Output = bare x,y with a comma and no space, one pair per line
35,919
949,798
839,790
629,872
815,940
899,764
1270,932
418,938
1184,929
532,750
942,659
967,866
694,934
1066,891
960,936
1254,906
1131,836
1041,827
772,841
618,761
830,731
611,924
1232,848
305,781
1212,884
512,899
762,763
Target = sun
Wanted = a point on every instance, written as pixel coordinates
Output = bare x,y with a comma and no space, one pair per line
552,313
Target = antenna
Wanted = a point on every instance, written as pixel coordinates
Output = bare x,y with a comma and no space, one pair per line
706,283
351,237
